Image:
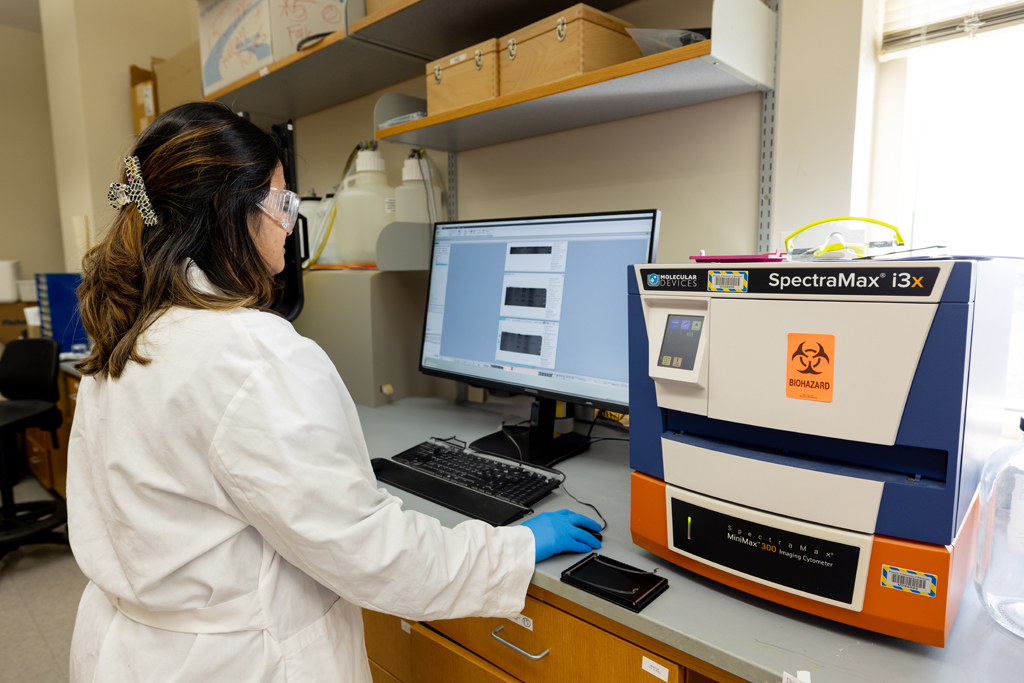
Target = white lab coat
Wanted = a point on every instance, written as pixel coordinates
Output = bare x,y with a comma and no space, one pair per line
233,467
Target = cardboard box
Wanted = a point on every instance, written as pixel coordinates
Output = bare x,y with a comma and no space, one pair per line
575,41
144,100
234,40
466,77
12,321
291,21
179,79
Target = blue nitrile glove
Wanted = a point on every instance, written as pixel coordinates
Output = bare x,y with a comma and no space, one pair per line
559,532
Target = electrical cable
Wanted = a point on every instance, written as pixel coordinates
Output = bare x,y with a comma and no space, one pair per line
509,437
440,176
589,505
428,185
328,217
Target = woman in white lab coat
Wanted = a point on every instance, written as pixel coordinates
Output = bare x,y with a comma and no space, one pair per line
220,494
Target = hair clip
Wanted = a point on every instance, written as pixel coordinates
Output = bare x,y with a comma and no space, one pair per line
134,192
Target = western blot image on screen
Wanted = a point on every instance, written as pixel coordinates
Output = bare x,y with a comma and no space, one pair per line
529,250
530,343
531,297
547,257
521,343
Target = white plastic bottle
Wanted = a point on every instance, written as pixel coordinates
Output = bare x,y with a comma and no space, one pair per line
411,195
365,204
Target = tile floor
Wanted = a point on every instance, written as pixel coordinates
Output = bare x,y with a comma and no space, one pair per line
40,587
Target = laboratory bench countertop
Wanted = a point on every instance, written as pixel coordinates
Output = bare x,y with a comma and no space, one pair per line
750,637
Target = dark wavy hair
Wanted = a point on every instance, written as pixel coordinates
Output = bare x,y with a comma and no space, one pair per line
205,170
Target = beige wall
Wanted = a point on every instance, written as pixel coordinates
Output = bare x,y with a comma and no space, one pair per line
89,47
697,164
29,222
324,140
887,172
823,139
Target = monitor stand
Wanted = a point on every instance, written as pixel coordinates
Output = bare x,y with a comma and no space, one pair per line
537,443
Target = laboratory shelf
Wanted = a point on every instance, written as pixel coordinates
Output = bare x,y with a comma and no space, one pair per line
387,47
739,59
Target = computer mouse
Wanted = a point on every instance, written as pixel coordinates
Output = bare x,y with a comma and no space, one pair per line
595,534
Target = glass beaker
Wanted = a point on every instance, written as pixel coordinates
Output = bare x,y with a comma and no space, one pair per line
999,566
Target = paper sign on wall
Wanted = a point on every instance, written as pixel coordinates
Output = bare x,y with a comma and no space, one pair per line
810,360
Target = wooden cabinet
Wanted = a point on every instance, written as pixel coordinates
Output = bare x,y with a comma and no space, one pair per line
439,660
581,646
47,462
379,675
37,454
389,645
559,647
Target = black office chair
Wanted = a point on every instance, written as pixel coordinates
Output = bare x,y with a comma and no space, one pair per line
28,379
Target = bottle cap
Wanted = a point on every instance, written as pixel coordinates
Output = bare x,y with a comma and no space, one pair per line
411,170
369,160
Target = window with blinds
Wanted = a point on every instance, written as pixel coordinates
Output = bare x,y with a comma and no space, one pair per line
913,23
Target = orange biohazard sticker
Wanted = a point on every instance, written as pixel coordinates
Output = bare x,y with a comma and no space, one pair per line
810,361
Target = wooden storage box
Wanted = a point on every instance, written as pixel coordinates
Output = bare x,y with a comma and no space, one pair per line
575,41
466,77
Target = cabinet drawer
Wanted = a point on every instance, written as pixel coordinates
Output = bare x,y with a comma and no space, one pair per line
576,650
388,644
37,452
439,660
379,675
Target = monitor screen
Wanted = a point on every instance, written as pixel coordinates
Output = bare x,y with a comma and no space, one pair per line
536,305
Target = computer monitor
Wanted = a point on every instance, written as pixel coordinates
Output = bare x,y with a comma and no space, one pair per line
536,306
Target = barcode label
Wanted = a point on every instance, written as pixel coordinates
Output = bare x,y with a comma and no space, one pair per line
918,583
908,580
727,280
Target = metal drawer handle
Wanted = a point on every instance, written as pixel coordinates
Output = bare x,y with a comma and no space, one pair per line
560,29
437,73
511,48
478,59
494,634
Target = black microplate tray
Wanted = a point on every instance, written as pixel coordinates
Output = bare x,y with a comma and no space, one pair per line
615,581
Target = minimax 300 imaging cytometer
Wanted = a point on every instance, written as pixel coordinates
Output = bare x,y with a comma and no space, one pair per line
813,433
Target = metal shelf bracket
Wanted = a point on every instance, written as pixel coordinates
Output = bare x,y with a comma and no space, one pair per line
767,170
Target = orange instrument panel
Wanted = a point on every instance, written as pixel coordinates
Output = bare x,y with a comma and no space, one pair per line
912,590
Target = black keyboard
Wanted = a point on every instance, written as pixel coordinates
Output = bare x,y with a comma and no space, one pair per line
476,486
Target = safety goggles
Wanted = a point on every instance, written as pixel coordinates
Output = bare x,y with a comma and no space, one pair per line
283,208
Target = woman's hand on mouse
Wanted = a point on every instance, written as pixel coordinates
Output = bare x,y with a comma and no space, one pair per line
562,531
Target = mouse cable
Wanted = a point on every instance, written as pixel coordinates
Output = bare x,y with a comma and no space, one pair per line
589,505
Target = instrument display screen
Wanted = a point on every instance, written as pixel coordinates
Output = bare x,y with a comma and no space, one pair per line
679,345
